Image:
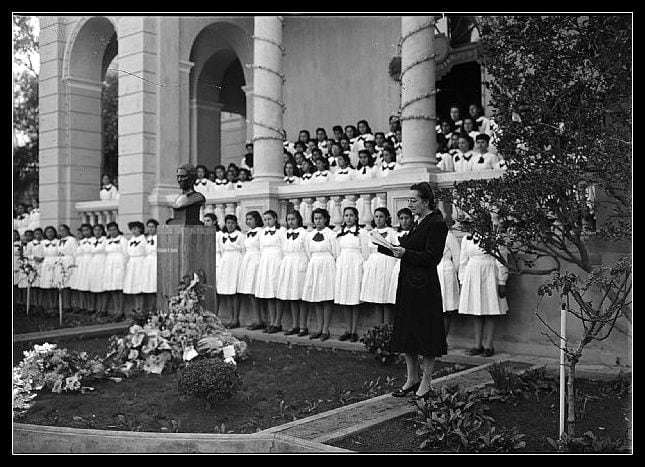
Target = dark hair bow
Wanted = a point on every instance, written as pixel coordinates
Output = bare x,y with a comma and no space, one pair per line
293,235
252,234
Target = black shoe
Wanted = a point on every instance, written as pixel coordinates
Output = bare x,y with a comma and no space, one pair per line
404,392
256,326
315,335
303,332
488,352
325,336
292,331
345,336
274,329
475,351
423,397
354,338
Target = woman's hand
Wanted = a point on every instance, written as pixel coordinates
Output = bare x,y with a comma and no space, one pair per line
501,290
398,251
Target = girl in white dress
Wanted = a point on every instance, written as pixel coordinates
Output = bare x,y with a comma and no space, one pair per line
377,271
293,268
344,173
66,252
48,286
247,279
364,134
334,156
405,223
483,292
307,171
232,253
210,220
150,266
97,270
116,251
80,278
320,277
136,252
365,170
389,163
322,174
266,282
353,250
109,191
462,157
290,177
34,254
483,159
448,270
17,254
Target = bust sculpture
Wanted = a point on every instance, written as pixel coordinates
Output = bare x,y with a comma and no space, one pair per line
188,204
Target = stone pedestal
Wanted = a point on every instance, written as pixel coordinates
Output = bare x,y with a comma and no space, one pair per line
183,250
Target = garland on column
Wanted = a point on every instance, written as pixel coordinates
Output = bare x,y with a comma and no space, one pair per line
429,24
271,41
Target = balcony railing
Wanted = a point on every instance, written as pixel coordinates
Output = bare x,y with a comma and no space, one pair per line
97,212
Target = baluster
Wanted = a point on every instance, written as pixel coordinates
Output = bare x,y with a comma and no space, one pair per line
306,208
365,215
295,203
230,209
283,210
238,213
336,212
321,202
96,217
219,212
105,215
380,201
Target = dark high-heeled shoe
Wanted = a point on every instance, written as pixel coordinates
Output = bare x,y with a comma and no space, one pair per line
404,392
274,329
324,336
475,351
292,331
303,332
488,352
345,336
256,326
420,397
315,335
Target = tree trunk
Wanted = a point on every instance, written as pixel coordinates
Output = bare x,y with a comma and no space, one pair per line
571,400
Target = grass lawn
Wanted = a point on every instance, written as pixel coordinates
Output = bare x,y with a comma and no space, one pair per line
281,383
37,321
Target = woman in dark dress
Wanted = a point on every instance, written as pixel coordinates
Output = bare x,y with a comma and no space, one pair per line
418,317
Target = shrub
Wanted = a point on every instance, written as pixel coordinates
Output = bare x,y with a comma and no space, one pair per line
508,384
378,341
456,421
210,378
588,443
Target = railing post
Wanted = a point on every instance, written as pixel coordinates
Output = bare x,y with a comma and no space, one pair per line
365,212
306,209
336,213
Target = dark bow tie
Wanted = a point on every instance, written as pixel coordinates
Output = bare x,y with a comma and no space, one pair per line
63,241
318,237
343,172
481,160
290,179
108,188
151,241
231,239
135,242
48,244
388,167
346,231
293,235
364,170
474,238
116,240
383,234
457,158
269,232
468,158
438,157
306,176
252,234
97,241
321,174
200,182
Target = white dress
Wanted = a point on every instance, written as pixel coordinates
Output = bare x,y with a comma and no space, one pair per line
21,223
34,219
386,169
364,173
115,261
150,265
344,175
136,252
353,250
266,281
394,278
97,264
34,249
359,144
247,278
447,270
17,247
67,251
479,274
293,268
108,192
462,162
48,266
81,277
445,162
321,270
232,253
218,254
293,180
321,176
377,270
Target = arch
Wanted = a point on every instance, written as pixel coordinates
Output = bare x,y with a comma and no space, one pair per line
216,80
92,41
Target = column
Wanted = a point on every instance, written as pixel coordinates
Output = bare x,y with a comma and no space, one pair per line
248,91
418,93
267,98
208,137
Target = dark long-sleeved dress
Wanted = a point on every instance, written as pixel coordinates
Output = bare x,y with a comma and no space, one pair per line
418,317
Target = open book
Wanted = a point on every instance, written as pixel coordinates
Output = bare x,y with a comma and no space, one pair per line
380,241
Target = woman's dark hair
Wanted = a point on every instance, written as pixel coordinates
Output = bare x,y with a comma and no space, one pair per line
388,217
355,211
370,160
307,161
85,226
324,161
220,166
449,123
154,221
480,111
258,218
405,211
50,227
213,217
337,128
379,133
102,227
247,172
321,129
483,136
323,212
232,217
468,139
390,150
112,224
274,214
346,158
304,131
369,130
132,225
425,193
301,144
202,166
293,164
353,128
248,159
66,227
298,216
38,229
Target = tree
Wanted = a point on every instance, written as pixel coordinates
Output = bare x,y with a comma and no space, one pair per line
25,108
561,87
110,97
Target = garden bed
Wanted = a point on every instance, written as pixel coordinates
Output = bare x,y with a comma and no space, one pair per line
38,321
281,383
606,412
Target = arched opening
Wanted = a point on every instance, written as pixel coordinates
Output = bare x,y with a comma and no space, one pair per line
218,102
92,106
461,86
